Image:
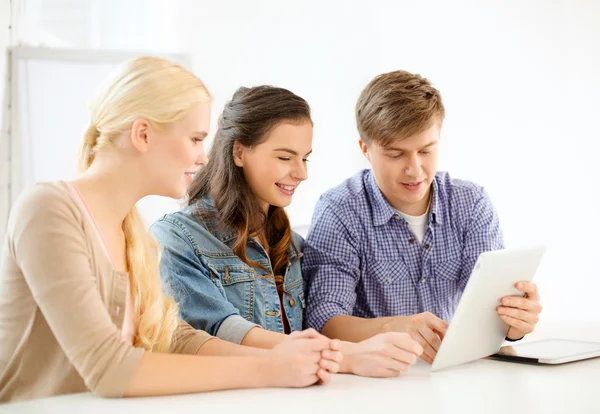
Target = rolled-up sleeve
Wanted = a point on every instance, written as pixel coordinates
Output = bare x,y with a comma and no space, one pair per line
234,329
331,266
201,304
47,240
187,340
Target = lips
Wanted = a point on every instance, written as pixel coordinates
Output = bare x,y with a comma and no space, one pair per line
413,186
286,189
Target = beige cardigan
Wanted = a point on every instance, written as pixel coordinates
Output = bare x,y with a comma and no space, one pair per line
62,304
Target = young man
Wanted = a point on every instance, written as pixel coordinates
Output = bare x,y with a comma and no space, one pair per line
392,248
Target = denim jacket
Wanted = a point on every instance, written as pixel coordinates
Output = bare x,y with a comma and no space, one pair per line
215,290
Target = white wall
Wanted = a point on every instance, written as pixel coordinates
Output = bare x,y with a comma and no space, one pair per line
4,148
520,82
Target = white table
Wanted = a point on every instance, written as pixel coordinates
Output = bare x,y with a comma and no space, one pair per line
484,386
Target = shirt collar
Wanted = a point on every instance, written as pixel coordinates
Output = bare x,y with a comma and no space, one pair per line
383,212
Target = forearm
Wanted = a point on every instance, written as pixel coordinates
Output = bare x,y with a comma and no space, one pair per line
262,338
166,374
217,347
352,328
355,329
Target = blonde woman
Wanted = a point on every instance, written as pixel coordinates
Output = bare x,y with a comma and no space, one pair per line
81,303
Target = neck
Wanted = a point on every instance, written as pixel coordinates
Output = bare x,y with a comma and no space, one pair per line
414,209
107,194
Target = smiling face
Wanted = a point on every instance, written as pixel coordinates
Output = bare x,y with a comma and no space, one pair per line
176,153
274,168
405,169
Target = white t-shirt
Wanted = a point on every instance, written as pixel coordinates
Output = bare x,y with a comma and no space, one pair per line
416,224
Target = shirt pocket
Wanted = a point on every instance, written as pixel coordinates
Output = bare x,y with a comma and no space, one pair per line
446,282
237,282
388,289
449,270
388,272
447,264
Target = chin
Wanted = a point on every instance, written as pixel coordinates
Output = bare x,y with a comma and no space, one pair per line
280,203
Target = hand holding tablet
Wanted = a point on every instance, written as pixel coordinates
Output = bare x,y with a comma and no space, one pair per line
477,330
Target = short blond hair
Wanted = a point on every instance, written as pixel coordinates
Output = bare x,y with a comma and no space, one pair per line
397,105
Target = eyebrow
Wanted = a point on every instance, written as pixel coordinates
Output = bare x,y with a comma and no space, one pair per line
290,151
432,143
201,134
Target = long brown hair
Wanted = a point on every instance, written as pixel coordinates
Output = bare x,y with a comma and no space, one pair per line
247,119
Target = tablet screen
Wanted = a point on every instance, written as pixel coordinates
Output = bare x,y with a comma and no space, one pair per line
550,349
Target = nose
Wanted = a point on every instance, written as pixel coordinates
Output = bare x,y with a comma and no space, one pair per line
300,171
413,168
201,159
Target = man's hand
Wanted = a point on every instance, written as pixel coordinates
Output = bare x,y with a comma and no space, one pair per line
425,328
383,355
521,313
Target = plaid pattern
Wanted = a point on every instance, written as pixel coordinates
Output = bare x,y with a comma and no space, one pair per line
361,259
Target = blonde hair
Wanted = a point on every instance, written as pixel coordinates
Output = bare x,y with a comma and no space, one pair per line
397,105
163,93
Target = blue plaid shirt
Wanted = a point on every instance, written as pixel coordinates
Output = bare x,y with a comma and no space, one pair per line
361,259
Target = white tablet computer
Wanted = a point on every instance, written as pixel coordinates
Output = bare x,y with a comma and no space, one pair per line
549,351
476,330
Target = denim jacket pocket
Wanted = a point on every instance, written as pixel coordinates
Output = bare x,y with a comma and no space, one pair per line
237,284
294,303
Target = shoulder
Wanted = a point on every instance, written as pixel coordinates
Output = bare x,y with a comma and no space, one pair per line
459,193
347,191
44,203
45,213
297,241
44,194
189,226
463,202
179,221
347,199
182,224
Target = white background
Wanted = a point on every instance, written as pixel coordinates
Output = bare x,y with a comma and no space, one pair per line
520,81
